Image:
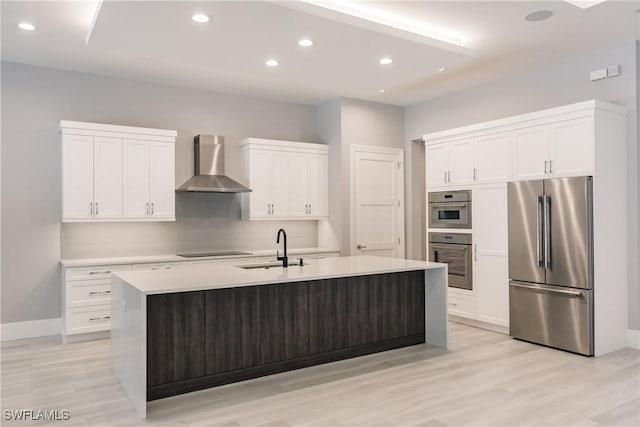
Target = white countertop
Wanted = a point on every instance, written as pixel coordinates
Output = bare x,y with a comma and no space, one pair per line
86,262
217,276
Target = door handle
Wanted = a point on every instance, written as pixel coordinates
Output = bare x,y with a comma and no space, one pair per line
538,231
547,231
547,289
360,247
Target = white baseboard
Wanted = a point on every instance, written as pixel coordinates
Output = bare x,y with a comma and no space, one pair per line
633,338
30,329
479,324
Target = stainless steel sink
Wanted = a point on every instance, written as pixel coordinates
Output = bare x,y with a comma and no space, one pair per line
258,266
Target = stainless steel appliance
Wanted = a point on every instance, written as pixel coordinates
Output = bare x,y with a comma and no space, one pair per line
208,168
454,249
450,209
551,262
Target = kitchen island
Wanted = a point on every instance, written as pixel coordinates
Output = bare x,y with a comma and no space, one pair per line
177,331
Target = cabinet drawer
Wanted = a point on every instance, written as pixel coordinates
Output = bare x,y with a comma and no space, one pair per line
80,293
160,266
91,273
88,319
461,305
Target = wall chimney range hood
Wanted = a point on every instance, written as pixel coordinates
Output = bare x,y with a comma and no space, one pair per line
208,168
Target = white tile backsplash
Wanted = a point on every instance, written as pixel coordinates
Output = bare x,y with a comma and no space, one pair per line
203,222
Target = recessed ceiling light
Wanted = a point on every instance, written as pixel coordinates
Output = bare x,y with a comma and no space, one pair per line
200,18
386,61
585,4
272,63
26,26
539,15
381,91
441,69
305,42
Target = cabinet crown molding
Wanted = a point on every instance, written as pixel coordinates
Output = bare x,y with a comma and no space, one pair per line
99,129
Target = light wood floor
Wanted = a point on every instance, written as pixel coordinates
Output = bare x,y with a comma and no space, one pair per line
485,379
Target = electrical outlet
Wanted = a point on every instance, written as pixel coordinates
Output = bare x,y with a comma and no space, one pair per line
598,74
613,70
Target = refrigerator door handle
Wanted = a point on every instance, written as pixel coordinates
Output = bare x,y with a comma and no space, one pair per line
546,289
539,231
547,231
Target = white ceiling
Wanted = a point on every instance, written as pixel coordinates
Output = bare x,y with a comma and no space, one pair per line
157,41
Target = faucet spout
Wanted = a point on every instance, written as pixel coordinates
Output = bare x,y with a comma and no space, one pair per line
284,258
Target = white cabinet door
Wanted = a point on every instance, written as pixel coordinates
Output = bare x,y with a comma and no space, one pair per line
77,177
531,153
490,266
259,178
493,158
162,180
135,195
279,180
318,178
460,162
300,184
107,177
437,162
571,147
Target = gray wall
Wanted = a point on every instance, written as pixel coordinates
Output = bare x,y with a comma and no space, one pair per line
35,99
343,123
561,83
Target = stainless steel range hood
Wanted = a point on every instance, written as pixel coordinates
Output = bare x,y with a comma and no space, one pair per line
208,168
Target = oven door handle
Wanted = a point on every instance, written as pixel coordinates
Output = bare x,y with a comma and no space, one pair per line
448,205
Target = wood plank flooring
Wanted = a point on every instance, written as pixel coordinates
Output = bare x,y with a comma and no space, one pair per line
485,379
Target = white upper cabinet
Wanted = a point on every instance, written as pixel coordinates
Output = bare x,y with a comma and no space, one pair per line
558,142
461,162
117,173
77,177
288,180
107,177
162,180
437,163
571,147
531,153
493,158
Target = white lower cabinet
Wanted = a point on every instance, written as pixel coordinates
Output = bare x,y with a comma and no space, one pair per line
86,291
461,303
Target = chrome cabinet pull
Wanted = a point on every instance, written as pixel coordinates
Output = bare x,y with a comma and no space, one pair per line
91,208
147,211
309,209
95,319
361,247
445,176
545,168
550,166
475,252
96,208
449,176
99,293
474,174
91,273
152,208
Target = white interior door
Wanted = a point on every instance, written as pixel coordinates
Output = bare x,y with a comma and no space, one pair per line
107,177
378,211
162,179
77,177
135,195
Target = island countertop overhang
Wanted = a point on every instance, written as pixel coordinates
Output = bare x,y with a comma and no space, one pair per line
220,276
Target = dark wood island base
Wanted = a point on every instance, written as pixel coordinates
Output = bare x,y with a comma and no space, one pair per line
202,339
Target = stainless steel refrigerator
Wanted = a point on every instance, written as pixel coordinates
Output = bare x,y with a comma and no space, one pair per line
551,262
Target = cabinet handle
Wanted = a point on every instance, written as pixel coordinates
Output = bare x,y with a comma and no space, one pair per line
545,167
449,176
94,319
166,267
91,208
453,304
91,273
99,293
445,176
152,208
309,209
362,247
147,210
475,252
96,208
550,167
474,174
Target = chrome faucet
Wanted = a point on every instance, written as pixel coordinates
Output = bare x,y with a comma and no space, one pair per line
285,258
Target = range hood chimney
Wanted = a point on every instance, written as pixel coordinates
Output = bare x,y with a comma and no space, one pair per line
208,168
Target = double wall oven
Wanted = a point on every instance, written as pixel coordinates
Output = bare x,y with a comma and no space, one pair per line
452,210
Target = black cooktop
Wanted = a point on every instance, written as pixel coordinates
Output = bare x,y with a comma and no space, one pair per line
208,254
